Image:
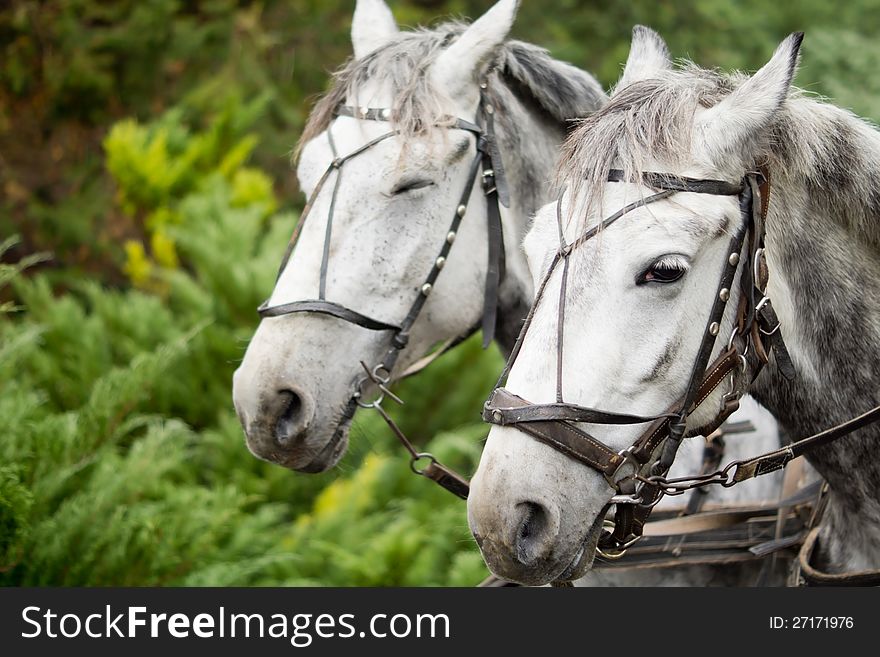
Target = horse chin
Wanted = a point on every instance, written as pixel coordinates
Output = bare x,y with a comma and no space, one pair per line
330,454
305,458
583,559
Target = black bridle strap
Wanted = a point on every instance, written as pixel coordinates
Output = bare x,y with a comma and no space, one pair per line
674,183
495,189
328,231
710,335
401,337
325,307
335,165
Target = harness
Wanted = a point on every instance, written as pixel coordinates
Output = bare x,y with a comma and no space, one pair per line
485,166
637,473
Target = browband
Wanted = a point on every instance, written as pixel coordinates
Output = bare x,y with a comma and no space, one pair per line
681,183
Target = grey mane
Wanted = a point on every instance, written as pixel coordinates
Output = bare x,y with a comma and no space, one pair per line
830,150
562,91
558,90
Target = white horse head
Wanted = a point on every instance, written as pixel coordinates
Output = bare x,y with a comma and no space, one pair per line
638,297
391,209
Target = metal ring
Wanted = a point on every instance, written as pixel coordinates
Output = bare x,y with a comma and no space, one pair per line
359,393
628,457
418,457
733,334
614,553
729,477
377,373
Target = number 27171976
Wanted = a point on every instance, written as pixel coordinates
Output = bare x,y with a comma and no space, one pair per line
811,622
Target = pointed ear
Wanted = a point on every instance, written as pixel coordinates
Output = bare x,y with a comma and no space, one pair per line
466,59
372,26
739,118
648,56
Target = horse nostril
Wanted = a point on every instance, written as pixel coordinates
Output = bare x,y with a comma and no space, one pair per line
291,421
531,538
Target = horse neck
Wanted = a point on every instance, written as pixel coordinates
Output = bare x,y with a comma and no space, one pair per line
825,287
529,143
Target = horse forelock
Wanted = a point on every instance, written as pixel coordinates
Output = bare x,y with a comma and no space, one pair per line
829,150
560,91
647,120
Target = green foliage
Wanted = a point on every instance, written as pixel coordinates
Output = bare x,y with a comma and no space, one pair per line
146,145
123,460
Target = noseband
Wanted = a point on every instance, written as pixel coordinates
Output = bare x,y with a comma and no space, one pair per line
637,473
486,166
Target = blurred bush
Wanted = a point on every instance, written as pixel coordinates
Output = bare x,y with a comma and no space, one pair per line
145,146
123,460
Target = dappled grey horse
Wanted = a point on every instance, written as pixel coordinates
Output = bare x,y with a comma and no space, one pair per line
374,230
698,206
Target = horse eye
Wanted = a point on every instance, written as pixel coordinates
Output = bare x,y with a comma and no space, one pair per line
410,185
662,271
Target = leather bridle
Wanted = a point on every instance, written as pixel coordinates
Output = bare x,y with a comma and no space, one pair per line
486,166
637,473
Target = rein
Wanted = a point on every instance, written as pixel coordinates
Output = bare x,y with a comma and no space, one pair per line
637,473
485,166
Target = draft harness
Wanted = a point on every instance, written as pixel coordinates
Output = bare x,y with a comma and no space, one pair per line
637,473
485,166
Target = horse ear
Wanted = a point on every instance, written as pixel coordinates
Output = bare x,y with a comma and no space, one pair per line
371,27
648,56
737,119
466,59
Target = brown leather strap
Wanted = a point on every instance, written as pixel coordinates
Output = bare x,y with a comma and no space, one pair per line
575,444
777,459
721,367
504,407
447,478
812,576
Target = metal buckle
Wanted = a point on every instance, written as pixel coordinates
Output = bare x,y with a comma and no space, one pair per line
625,498
763,302
731,391
488,181
614,553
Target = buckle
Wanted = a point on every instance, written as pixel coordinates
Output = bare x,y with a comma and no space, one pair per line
612,554
625,498
488,182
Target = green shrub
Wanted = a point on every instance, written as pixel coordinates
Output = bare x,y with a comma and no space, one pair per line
123,460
